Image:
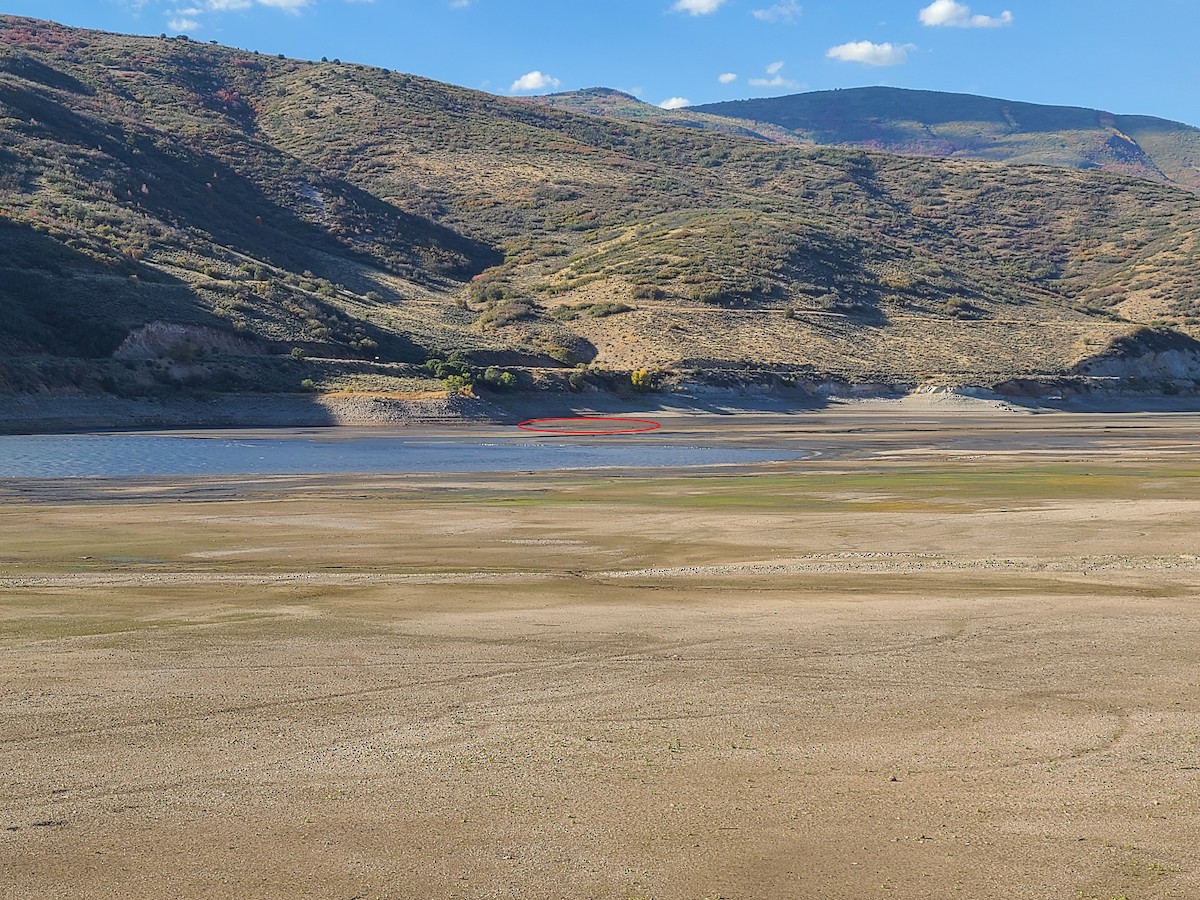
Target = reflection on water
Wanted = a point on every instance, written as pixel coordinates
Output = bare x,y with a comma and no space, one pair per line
115,455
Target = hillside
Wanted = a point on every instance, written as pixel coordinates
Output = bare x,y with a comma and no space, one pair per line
964,126
606,102
184,217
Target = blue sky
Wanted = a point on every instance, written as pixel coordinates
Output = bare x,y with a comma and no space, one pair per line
1123,57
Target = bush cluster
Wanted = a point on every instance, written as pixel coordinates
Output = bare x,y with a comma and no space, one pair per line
460,377
570,311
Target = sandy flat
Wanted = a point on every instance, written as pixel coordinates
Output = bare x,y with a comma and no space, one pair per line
952,654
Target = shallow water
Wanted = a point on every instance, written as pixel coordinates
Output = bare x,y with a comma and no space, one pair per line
134,454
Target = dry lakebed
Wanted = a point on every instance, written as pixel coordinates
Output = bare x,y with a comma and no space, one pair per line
942,653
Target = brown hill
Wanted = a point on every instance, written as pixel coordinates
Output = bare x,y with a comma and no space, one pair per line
336,224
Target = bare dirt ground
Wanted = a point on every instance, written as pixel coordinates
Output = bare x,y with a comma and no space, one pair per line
950,655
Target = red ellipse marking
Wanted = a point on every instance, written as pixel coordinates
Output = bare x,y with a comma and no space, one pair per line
646,425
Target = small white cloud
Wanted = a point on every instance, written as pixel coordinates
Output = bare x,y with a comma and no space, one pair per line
459,4
776,80
951,14
697,7
292,6
534,81
727,77
675,103
178,25
789,12
188,13
870,54
223,5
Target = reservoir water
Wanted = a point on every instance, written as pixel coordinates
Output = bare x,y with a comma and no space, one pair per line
139,454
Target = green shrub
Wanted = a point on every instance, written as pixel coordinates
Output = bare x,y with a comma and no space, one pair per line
459,384
488,291
457,363
499,379
505,314
568,312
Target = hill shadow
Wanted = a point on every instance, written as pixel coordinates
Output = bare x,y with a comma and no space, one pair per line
202,192
63,314
57,300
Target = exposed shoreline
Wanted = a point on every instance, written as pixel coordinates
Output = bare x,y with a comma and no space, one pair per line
36,414
64,414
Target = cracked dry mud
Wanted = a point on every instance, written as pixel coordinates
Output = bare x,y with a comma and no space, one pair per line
949,658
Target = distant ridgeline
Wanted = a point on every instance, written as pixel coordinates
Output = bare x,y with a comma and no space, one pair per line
963,126
179,218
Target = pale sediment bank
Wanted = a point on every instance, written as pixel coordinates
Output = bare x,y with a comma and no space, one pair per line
31,413
57,413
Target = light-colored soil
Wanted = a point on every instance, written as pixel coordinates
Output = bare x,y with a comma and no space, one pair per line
952,655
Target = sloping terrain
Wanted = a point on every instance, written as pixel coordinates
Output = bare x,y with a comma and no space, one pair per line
964,126
180,216
602,101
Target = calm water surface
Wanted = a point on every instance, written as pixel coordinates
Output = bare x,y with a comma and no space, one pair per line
116,455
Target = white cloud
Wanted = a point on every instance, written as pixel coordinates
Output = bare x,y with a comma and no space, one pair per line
950,14
776,80
675,103
534,81
870,54
697,7
203,6
178,25
788,11
459,4
292,6
727,77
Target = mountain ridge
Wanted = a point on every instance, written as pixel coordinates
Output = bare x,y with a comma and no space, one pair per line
937,124
945,124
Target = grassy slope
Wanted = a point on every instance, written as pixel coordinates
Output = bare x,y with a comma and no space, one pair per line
362,214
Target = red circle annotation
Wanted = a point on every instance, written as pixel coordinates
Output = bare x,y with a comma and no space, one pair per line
569,425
